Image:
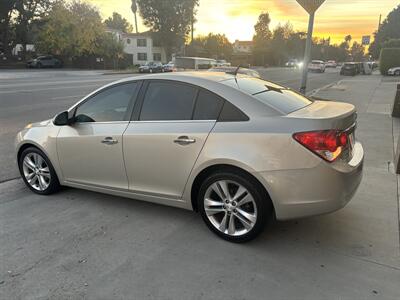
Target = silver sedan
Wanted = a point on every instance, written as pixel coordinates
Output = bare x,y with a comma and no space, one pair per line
237,149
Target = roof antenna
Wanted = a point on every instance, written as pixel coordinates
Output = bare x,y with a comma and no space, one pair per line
237,70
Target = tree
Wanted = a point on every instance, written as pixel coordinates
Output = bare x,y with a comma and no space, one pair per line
71,30
213,45
168,20
357,51
29,10
7,7
110,47
218,46
118,22
262,38
389,29
134,10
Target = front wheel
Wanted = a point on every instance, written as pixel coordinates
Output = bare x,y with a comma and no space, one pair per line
38,172
234,206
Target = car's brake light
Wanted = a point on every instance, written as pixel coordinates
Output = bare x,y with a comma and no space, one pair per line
328,144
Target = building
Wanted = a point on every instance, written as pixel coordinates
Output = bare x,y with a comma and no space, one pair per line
141,46
242,47
242,53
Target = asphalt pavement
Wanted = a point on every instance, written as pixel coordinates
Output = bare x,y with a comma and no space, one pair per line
28,96
78,244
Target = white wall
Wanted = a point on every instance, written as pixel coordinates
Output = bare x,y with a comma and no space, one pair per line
132,48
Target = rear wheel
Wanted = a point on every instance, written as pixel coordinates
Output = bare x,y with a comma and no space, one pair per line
38,172
234,206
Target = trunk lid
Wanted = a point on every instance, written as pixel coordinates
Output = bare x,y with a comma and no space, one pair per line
328,114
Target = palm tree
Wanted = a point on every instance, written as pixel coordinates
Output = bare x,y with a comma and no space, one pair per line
134,10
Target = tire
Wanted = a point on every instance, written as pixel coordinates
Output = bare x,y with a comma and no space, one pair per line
397,73
255,211
41,167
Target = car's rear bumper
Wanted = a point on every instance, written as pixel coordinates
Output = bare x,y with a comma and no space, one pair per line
313,191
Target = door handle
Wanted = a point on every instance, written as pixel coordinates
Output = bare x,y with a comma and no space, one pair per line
109,141
184,140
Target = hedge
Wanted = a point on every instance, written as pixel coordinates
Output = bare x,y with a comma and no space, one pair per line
389,58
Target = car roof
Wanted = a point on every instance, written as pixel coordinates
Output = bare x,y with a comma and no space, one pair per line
211,81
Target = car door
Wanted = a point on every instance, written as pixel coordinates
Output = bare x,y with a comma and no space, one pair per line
162,143
90,150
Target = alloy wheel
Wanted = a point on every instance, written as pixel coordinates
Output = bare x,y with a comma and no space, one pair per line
36,171
230,207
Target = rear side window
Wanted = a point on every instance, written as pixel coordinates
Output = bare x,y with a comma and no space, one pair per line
285,101
208,106
168,101
231,113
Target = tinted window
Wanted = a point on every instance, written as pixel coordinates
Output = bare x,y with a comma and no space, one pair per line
168,101
231,113
208,106
108,105
285,101
278,97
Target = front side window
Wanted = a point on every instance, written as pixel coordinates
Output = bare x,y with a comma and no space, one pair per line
141,42
108,105
168,101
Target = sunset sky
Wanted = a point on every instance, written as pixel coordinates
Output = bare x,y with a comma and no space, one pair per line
236,18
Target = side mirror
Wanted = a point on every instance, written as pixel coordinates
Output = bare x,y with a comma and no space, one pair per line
62,119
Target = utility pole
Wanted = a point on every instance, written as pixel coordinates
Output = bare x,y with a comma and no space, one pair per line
310,6
379,24
134,10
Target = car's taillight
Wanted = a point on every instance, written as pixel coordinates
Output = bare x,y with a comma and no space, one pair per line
328,144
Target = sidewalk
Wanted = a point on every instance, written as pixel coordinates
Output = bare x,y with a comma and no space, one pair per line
374,221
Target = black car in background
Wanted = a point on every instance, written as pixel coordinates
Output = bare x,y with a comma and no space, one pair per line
151,67
45,61
350,68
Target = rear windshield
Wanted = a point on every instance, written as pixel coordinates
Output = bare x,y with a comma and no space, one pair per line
280,98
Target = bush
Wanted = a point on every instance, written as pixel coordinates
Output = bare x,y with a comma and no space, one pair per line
389,58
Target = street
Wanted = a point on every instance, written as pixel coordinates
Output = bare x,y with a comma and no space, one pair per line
28,96
83,245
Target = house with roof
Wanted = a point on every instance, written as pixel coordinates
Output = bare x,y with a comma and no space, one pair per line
141,46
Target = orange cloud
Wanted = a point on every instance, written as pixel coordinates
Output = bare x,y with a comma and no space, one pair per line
236,18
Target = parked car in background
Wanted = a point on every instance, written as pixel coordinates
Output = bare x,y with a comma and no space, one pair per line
45,61
331,64
222,63
316,66
169,67
291,63
232,70
349,68
239,150
394,71
151,67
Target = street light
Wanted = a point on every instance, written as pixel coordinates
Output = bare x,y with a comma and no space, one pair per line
310,6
